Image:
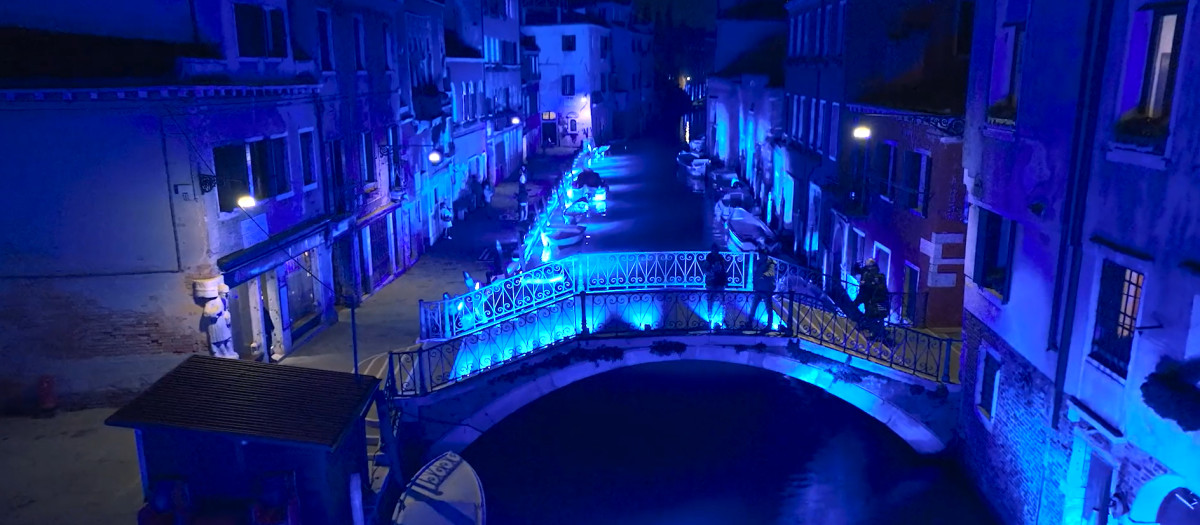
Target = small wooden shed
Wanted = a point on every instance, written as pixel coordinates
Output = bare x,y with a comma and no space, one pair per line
234,434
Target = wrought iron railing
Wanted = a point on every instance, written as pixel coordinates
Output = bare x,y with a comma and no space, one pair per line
574,315
594,272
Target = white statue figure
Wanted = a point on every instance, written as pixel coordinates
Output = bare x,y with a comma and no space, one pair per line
220,324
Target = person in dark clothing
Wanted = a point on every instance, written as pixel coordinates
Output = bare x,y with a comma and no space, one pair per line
716,278
523,202
872,295
764,287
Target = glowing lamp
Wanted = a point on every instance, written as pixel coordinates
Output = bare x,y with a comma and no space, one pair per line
246,201
689,79
515,120
435,157
862,133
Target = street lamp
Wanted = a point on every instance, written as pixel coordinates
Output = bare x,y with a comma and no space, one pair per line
435,157
246,201
862,133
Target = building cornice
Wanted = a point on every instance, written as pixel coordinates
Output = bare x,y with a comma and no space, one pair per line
153,93
950,125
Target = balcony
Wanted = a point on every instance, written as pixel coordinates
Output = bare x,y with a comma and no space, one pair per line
429,102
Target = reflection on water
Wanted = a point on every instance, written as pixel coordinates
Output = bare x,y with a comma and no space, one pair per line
706,443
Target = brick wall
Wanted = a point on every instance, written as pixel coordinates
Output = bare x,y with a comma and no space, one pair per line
101,340
1137,467
1019,462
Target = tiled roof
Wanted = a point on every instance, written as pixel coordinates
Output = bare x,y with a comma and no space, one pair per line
252,400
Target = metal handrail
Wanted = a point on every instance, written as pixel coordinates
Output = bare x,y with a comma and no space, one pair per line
664,311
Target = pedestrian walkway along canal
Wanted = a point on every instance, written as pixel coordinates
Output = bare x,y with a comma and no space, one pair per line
707,443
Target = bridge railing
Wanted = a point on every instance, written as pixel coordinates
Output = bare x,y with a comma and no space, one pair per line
578,315
594,272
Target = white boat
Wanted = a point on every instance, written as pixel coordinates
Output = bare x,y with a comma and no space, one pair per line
749,234
733,200
562,235
447,491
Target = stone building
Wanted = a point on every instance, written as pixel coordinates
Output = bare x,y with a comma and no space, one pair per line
874,147
1081,300
631,80
151,160
531,77
574,58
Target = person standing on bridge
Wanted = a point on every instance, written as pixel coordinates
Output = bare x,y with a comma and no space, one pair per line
716,278
872,296
764,287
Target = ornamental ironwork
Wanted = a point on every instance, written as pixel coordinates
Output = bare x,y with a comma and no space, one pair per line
950,125
792,314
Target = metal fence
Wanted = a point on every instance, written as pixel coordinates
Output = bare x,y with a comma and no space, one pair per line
578,315
594,272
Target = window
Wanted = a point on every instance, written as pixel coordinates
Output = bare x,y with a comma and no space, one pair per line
987,386
268,168
603,83
822,15
233,175
1116,314
822,118
841,28
803,135
964,28
1008,68
568,42
1150,79
389,52
813,125
367,161
835,135
914,182
883,167
568,85
574,126
604,43
995,239
261,32
549,115
308,159
856,246
393,160
325,41
360,58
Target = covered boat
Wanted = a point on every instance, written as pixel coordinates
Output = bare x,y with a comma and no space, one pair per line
562,235
447,491
749,234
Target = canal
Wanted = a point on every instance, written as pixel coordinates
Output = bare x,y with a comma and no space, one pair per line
708,443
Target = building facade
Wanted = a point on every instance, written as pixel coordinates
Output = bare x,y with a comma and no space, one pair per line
874,150
574,59
465,73
502,86
1081,305
209,139
630,82
531,78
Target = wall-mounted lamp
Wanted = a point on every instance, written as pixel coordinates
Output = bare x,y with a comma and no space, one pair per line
246,201
515,120
435,155
862,133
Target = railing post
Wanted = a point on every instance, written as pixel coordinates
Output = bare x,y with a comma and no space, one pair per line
445,312
583,326
390,384
947,351
422,373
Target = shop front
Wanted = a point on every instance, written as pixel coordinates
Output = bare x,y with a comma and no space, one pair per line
390,242
277,298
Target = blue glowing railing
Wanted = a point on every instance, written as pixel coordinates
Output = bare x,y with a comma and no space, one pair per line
593,272
572,316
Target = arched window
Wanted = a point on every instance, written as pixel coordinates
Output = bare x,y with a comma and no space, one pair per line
574,125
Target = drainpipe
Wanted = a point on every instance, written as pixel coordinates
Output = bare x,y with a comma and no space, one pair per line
1070,246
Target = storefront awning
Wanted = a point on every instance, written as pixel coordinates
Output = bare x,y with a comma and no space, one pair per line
241,266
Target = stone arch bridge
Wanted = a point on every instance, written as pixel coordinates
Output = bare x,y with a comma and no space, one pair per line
489,352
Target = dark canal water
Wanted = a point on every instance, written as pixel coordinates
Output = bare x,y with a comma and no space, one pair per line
698,443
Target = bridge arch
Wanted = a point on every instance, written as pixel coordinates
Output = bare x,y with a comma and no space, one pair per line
888,399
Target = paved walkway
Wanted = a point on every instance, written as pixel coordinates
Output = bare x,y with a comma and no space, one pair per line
388,320
73,469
